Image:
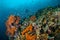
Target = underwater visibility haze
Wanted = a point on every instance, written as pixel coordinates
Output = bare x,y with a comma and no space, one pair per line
22,8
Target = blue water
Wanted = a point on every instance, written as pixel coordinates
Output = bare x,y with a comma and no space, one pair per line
19,7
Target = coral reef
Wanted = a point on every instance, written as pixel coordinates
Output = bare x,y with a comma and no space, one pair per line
44,25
